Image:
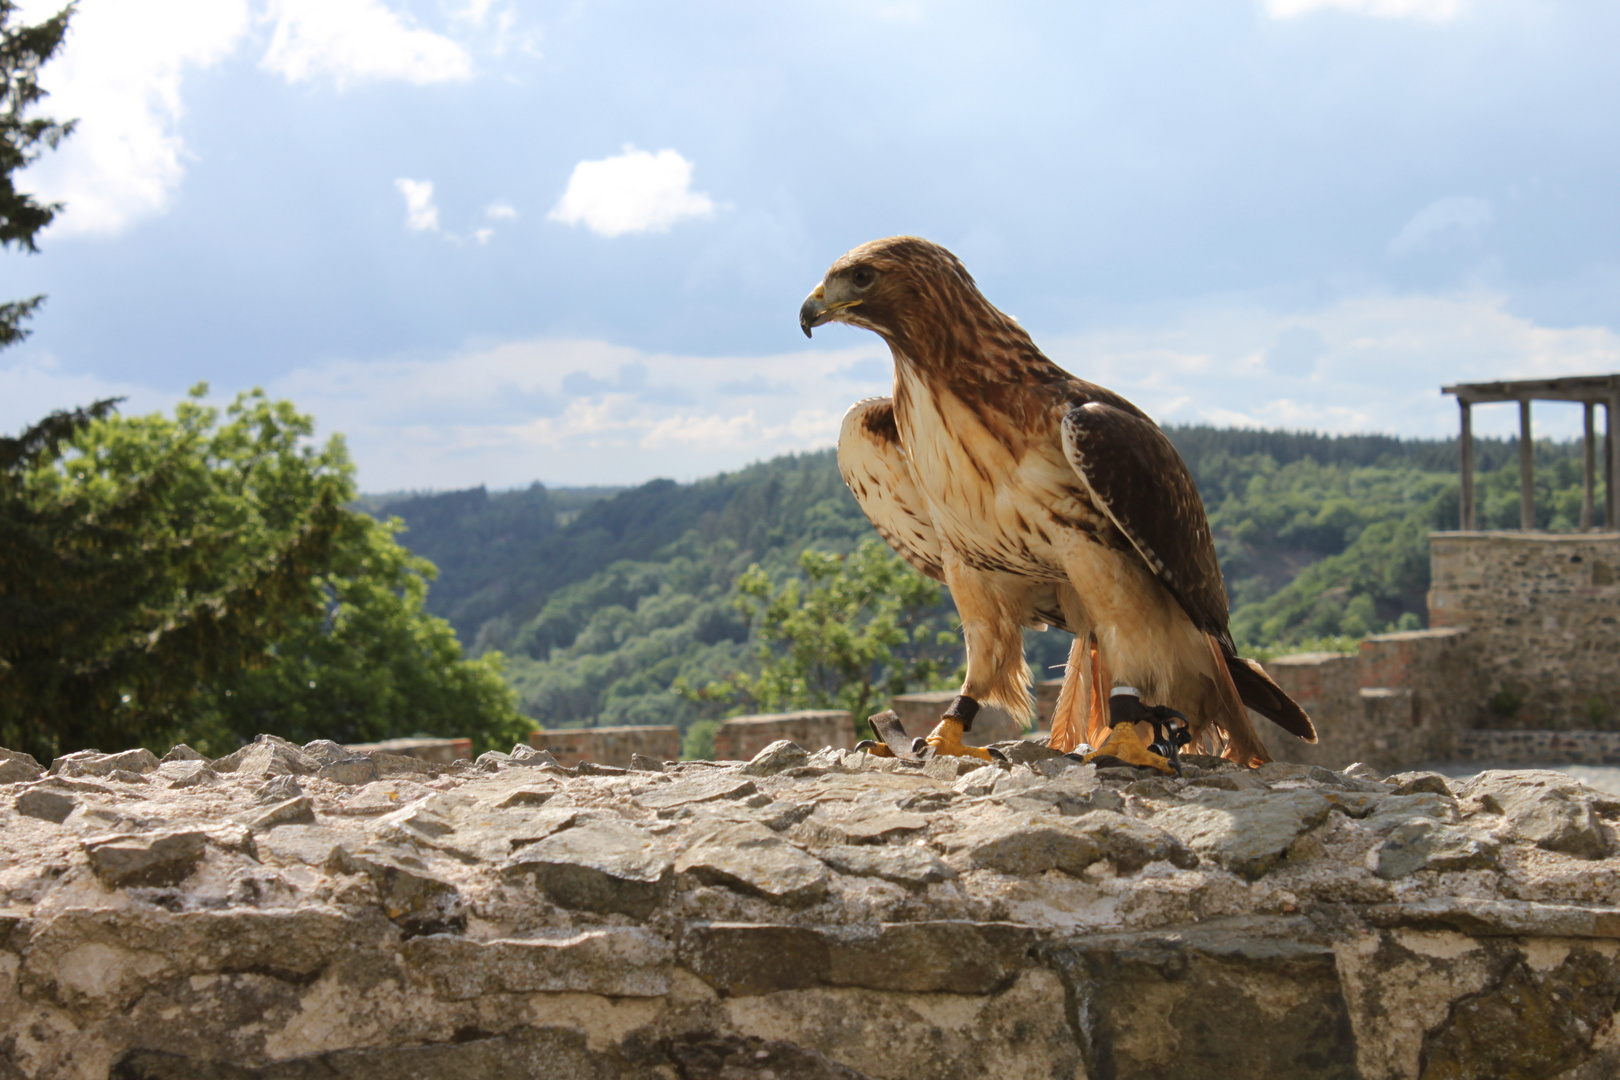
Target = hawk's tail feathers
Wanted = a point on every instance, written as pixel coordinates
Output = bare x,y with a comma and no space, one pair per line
1260,693
1242,745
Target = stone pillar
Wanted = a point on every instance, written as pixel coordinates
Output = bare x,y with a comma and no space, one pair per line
1527,469
1465,455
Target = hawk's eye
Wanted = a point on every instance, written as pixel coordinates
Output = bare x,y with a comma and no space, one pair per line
862,277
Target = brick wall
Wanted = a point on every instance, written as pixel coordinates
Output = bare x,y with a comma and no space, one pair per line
608,745
1545,613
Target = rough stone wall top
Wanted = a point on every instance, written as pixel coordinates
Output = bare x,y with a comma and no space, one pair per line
1544,610
814,916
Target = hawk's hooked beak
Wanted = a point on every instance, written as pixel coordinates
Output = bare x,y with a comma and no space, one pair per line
816,310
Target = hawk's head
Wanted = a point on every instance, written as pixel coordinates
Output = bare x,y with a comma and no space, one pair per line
886,284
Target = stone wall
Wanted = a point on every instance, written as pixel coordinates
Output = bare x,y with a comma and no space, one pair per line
1544,609
827,916
1499,747
1398,701
608,745
741,737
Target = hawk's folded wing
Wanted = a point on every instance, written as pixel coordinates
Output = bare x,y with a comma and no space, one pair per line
874,466
1137,479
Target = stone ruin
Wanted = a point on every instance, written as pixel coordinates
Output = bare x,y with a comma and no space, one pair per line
300,912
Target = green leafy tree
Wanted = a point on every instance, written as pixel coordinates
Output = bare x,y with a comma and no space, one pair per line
853,630
188,579
23,137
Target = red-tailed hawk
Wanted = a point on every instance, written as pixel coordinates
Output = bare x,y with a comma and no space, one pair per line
1038,499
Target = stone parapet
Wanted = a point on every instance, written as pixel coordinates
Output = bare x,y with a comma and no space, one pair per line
1499,747
830,916
741,737
608,745
1397,701
1544,610
443,751
920,712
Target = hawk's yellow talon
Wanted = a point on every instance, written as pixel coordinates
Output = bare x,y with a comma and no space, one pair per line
946,739
1125,744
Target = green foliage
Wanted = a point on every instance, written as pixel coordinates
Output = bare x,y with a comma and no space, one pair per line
184,579
23,137
852,631
698,743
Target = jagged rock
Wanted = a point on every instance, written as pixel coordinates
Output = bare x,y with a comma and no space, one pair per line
779,756
951,769
697,789
16,768
268,756
182,752
352,771
643,763
295,811
46,804
526,796
524,754
279,789
1395,810
864,825
1026,751
599,866
325,751
755,860
160,858
1028,844
1548,809
402,765
187,772
413,897
1247,833
91,763
1426,844
1229,781
909,865
1414,783
1362,771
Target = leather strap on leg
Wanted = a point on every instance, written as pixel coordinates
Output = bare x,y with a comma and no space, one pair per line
962,708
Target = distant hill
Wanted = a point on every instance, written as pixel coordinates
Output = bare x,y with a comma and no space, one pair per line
601,596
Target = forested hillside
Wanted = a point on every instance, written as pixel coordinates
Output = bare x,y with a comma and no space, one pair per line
600,599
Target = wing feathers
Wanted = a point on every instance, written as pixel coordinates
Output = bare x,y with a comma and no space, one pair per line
874,466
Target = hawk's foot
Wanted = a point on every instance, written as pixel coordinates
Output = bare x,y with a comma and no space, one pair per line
946,739
876,749
1124,744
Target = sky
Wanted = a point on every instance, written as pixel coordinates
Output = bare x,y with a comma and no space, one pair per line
492,241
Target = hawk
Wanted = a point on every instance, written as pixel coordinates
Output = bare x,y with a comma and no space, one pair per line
1040,500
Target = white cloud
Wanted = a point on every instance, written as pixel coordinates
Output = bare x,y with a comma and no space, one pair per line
420,213
120,73
1431,10
1376,364
350,41
500,211
578,412
634,192
483,235
1456,217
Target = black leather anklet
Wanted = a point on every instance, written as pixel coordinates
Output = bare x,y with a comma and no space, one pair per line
962,708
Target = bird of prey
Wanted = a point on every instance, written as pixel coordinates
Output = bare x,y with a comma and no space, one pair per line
1040,500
